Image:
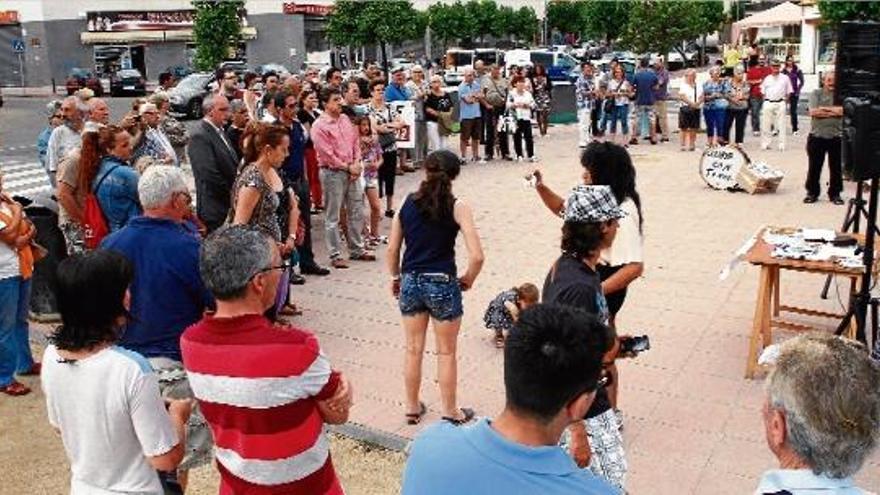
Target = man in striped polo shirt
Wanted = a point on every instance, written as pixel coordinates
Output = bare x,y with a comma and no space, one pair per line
266,390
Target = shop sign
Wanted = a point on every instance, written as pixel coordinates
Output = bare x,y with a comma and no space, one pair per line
307,9
8,17
144,20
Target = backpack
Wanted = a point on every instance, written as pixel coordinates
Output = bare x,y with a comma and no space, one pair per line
94,223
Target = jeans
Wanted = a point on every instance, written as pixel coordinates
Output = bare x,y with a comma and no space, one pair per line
339,189
773,114
437,294
492,134
435,140
584,126
755,105
817,148
738,116
523,131
15,349
714,121
792,111
620,114
646,120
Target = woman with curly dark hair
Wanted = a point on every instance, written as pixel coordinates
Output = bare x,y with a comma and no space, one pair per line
542,90
103,399
427,283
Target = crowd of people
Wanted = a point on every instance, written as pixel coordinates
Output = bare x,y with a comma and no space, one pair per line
173,350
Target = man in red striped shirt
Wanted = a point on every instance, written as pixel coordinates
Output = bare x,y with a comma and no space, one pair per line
266,390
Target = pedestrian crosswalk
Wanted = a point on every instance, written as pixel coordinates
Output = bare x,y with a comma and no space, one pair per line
24,177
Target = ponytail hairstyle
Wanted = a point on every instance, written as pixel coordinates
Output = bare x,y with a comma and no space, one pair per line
434,199
95,145
257,136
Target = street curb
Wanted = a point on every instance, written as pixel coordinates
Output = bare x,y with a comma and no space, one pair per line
370,436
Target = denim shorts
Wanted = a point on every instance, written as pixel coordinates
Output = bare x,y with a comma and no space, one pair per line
437,294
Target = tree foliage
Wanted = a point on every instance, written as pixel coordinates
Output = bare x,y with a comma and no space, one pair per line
216,29
450,22
482,14
661,25
358,23
606,20
566,16
834,12
525,24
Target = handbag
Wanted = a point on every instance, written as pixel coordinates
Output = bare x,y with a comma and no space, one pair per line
94,223
609,102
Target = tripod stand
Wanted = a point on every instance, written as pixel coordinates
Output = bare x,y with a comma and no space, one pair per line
862,299
852,220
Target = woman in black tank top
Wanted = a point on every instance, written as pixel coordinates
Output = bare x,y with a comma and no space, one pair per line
427,284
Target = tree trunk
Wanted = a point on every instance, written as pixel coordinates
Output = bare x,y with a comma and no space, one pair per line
385,61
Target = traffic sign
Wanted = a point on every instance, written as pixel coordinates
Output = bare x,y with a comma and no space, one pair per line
18,45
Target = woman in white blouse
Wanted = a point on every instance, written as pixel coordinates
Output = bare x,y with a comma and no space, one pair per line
521,103
691,95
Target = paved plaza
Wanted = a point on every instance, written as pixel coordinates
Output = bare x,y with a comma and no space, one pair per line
692,422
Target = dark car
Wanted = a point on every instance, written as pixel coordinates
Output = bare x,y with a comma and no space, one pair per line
187,96
81,78
128,81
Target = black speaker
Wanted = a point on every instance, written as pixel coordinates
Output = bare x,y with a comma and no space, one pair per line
857,69
861,138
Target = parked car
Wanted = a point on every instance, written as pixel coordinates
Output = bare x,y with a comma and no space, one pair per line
178,71
79,78
237,66
559,65
127,81
279,69
454,63
401,62
187,96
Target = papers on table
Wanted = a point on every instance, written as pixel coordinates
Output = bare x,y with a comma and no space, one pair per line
811,245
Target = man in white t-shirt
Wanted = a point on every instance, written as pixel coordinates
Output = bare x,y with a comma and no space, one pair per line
776,89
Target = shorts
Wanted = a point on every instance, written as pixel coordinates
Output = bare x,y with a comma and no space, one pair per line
371,182
437,294
615,299
173,384
470,128
607,459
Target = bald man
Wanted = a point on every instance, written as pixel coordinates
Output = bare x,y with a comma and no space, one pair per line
824,139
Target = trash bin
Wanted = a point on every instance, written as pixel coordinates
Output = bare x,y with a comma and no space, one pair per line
43,305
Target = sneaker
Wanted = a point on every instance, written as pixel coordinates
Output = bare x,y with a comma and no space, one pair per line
482,161
533,159
756,133
297,279
796,133
765,147
519,158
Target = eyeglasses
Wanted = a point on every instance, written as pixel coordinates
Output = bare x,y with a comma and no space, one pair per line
283,266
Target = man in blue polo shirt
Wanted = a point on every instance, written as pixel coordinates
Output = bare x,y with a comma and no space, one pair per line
646,83
167,293
470,94
397,91
552,361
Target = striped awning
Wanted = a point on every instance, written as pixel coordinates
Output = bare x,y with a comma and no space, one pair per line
110,37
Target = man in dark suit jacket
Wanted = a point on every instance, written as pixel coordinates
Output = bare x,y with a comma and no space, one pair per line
214,162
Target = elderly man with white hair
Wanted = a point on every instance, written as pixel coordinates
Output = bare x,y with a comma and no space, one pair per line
821,416
167,293
155,145
66,136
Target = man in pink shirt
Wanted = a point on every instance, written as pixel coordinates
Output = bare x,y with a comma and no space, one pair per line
339,158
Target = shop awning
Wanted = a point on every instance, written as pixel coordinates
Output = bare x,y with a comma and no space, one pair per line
123,37
783,14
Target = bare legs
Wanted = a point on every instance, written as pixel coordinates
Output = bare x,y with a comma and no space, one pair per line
375,210
446,334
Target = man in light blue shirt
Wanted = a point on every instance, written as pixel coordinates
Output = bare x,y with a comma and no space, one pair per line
470,95
552,365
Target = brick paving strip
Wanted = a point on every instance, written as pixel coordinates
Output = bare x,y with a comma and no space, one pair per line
692,423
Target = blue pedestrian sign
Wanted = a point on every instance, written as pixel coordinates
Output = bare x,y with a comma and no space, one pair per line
18,45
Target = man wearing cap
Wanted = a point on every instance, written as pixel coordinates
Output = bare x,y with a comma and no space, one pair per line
155,144
776,89
591,219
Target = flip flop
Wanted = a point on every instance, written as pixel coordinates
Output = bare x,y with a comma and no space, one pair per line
15,389
416,418
468,416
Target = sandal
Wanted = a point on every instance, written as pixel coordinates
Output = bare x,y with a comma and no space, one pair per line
290,310
416,418
15,389
499,339
468,414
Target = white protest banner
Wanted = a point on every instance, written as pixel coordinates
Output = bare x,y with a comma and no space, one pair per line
720,165
406,135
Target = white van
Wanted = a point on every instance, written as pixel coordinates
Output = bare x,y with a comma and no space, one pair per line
455,62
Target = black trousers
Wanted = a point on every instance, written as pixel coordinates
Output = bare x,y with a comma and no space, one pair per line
523,131
301,189
595,117
738,116
492,133
792,111
817,148
485,127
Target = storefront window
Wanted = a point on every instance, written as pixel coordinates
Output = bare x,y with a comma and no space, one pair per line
827,46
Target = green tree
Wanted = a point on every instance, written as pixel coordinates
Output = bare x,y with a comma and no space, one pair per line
566,16
503,24
834,12
606,20
450,22
482,14
525,24
355,22
216,29
660,26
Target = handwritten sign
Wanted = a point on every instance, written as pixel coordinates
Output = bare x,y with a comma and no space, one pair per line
720,165
406,135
